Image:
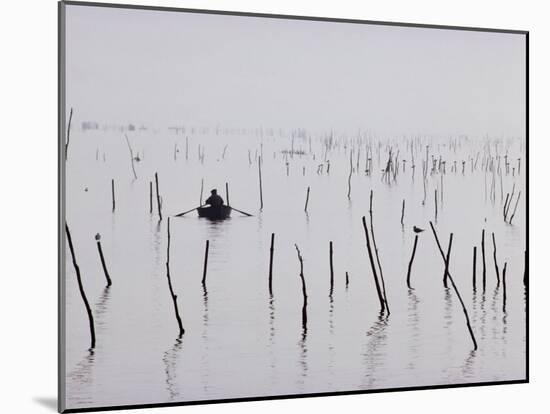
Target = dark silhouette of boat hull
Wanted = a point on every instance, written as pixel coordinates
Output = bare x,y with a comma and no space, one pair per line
215,213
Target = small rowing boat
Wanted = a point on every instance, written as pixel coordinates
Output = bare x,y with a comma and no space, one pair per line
213,213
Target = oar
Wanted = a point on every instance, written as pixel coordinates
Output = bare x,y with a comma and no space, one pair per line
242,212
188,211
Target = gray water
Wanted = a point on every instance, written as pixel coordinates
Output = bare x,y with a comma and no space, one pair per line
238,341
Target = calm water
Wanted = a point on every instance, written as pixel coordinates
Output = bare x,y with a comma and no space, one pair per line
239,342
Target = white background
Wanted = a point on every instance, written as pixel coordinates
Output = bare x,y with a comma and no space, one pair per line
28,163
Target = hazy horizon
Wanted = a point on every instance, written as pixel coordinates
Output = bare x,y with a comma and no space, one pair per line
166,68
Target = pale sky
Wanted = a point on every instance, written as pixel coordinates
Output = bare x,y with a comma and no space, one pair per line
166,68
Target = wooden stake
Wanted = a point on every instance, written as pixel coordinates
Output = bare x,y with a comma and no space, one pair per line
455,289
100,250
411,262
377,256
307,200
227,193
271,251
474,270
373,267
484,269
525,267
495,259
186,148
447,261
205,262
505,205
331,269
304,291
68,135
174,296
347,280
81,288
260,177
202,188
150,197
131,156
515,208
402,212
504,288
350,171
159,208
113,192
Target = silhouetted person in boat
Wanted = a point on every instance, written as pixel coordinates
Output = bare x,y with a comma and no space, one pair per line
214,200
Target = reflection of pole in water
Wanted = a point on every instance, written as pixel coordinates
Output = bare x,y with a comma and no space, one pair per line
170,359
468,365
303,356
448,317
272,355
413,324
101,307
81,378
205,357
373,355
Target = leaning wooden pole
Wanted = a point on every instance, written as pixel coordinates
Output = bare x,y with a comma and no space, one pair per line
174,296
307,200
159,206
455,289
515,208
100,250
495,259
411,262
271,251
68,133
131,156
260,180
373,267
81,288
447,261
377,256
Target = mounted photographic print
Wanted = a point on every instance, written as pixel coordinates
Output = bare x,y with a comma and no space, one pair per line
264,206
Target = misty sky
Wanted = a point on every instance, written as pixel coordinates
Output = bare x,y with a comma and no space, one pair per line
166,68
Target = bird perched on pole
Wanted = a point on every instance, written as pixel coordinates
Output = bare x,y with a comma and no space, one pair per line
417,229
